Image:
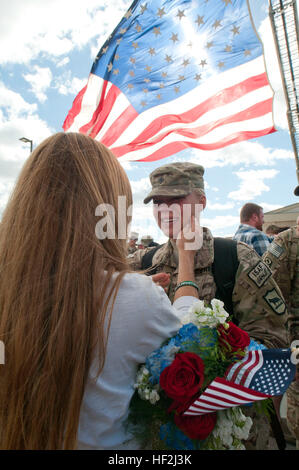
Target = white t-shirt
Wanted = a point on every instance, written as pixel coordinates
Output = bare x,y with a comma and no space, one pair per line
142,319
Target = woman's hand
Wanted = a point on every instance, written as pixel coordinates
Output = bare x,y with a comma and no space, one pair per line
161,279
188,243
190,238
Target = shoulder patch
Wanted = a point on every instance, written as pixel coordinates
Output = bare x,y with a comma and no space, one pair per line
260,274
275,301
275,249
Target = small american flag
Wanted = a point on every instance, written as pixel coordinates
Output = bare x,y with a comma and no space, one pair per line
261,374
176,74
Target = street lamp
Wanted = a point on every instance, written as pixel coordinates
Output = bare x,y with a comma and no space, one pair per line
24,139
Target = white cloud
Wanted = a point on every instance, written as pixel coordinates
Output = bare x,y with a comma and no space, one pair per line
54,27
269,207
62,62
224,225
252,184
6,186
140,188
127,165
219,206
40,81
17,119
12,104
68,85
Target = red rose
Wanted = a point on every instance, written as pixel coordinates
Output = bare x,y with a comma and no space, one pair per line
196,427
234,337
184,377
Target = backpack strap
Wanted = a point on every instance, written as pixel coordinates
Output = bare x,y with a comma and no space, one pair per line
147,260
224,270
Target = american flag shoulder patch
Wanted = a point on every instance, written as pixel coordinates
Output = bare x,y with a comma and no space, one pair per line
276,250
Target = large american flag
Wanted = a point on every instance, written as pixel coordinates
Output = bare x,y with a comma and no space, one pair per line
176,74
261,374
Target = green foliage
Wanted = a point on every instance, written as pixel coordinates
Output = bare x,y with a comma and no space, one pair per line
264,407
145,419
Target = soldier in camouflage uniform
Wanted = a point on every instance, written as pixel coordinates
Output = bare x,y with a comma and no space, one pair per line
132,243
282,257
258,305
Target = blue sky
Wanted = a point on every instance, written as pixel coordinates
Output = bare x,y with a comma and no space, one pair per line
47,48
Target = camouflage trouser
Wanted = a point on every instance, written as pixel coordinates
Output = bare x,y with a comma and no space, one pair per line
260,436
293,410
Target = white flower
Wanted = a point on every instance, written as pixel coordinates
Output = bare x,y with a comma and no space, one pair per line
241,430
219,311
201,315
154,397
189,318
198,306
146,390
217,305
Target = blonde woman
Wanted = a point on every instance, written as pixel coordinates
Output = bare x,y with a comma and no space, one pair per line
74,320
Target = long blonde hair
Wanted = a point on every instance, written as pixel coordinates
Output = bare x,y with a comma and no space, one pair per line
55,286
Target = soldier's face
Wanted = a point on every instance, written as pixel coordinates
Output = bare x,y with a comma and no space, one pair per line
174,213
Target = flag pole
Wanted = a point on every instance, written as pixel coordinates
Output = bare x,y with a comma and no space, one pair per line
284,22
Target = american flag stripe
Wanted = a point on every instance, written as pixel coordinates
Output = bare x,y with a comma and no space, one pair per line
119,126
251,369
84,105
205,132
109,96
208,109
75,110
231,395
174,147
238,372
234,106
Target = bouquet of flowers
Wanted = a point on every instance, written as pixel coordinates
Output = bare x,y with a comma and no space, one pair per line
181,370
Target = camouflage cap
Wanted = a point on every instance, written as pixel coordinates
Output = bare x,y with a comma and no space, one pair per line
175,179
146,240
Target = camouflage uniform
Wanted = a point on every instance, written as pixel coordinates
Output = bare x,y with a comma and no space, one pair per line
283,258
132,249
258,305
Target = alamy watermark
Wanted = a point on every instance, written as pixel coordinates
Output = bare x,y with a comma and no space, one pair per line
174,220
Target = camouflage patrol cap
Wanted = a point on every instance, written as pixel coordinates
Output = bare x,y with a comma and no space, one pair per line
175,179
146,240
